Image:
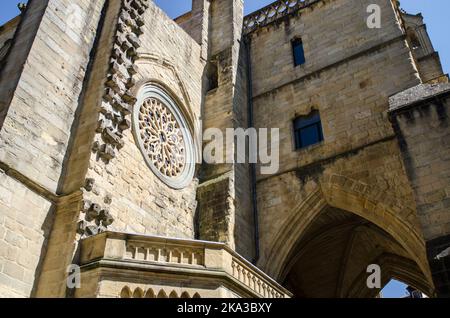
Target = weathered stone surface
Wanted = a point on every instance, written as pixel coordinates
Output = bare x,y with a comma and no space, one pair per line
376,188
417,94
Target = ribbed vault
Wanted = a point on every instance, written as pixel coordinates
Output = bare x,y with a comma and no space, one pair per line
331,257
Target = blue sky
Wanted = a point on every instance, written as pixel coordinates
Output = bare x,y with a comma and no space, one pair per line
434,11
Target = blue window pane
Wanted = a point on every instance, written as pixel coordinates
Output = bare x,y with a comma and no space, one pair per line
310,136
299,54
307,121
308,130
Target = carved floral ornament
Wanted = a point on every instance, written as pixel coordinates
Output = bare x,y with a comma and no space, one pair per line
163,136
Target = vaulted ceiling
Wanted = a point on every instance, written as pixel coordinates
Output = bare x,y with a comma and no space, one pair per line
332,256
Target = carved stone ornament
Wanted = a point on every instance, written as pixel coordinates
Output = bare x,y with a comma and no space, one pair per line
163,137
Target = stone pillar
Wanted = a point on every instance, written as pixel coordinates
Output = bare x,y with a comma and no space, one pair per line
200,19
224,194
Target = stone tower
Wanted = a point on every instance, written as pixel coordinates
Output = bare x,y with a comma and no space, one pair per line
103,110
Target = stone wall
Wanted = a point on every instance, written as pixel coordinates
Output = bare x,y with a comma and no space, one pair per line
424,133
420,117
350,72
24,226
428,61
52,102
225,207
141,203
42,107
430,67
40,88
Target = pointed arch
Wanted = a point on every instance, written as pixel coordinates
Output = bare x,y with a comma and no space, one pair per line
162,294
173,294
185,295
138,293
394,267
150,293
125,293
374,205
152,58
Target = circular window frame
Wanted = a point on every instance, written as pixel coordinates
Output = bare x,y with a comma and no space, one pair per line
153,91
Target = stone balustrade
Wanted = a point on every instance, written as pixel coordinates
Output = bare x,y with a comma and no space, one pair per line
172,258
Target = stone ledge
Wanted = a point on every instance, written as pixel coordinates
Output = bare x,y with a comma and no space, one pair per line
141,253
417,94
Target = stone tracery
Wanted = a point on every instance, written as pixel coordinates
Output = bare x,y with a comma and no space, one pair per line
162,137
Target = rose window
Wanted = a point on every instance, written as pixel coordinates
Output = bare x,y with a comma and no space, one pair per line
163,137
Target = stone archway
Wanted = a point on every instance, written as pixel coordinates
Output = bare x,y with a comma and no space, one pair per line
341,218
394,267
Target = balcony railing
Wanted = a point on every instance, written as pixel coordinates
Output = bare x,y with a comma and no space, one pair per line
119,253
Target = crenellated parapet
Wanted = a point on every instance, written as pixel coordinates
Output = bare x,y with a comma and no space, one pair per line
273,12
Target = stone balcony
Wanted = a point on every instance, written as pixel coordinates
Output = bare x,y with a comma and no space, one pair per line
127,265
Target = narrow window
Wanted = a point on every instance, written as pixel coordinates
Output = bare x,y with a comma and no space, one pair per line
212,75
299,53
308,130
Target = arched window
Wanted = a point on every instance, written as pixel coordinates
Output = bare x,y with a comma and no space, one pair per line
308,130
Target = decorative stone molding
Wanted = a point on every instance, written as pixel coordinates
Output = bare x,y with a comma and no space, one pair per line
144,292
273,12
96,219
116,106
118,101
110,253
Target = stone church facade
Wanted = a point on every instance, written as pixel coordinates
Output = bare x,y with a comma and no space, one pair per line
103,105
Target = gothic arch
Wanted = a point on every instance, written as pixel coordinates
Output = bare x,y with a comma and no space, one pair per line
138,293
185,102
150,294
125,293
404,270
162,294
369,203
173,294
185,295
